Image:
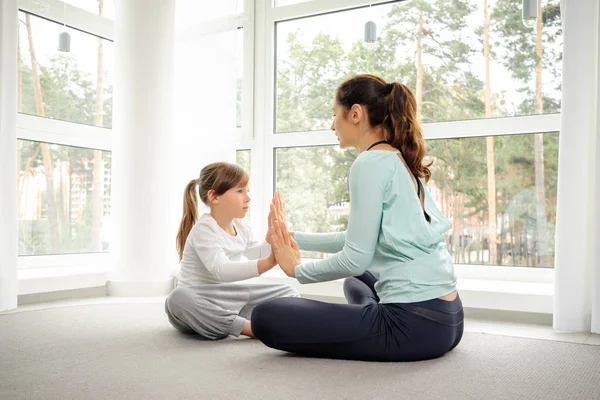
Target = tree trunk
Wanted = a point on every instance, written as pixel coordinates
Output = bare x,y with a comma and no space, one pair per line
419,88
489,142
513,241
98,172
46,156
540,187
482,236
502,241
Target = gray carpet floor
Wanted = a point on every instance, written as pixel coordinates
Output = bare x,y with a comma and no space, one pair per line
129,351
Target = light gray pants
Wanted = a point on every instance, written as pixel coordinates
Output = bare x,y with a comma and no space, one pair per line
215,311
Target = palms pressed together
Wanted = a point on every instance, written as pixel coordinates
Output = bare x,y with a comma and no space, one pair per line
283,245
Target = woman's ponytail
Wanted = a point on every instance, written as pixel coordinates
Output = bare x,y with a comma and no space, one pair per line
403,128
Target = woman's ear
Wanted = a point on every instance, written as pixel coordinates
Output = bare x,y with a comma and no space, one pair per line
212,197
356,113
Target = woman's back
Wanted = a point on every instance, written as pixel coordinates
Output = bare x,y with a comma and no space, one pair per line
410,260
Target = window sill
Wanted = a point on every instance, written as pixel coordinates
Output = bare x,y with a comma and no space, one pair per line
489,294
44,280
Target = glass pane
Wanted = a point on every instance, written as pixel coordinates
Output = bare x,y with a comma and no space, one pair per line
63,85
281,3
108,6
435,49
313,182
240,76
243,158
63,199
526,171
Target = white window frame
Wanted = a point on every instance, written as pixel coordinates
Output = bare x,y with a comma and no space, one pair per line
245,21
42,129
264,142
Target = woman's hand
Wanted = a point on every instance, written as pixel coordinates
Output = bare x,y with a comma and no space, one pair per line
284,248
277,213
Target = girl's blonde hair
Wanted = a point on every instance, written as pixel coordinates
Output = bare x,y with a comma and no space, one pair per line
219,177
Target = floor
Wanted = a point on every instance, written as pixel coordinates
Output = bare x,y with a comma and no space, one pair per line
126,349
532,331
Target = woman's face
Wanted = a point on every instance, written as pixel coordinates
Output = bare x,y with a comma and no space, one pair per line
345,130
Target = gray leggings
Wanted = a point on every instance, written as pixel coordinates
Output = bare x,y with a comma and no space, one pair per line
215,311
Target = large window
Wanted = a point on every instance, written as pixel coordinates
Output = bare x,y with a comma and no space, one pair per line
434,48
64,131
488,94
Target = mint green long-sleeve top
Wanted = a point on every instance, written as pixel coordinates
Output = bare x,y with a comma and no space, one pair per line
387,234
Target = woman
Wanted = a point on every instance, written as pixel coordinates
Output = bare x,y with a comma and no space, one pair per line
400,286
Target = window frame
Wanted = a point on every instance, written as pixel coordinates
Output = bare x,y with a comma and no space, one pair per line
265,141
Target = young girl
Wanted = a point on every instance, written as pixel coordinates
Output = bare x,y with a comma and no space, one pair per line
206,300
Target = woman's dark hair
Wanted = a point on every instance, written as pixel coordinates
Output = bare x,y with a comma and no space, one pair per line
394,106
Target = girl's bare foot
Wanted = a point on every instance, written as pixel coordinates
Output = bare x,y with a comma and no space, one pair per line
247,331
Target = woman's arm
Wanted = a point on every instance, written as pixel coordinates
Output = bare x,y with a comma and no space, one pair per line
331,242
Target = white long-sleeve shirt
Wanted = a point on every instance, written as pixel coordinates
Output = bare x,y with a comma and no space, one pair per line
211,255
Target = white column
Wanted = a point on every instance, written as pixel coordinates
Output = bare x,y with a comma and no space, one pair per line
144,39
8,154
575,242
205,96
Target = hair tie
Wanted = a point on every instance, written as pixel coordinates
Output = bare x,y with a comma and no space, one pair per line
387,88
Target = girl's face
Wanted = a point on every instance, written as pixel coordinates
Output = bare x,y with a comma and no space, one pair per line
235,202
344,127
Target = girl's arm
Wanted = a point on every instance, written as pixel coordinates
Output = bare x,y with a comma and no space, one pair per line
255,249
210,250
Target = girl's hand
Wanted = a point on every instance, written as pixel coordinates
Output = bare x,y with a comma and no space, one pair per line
284,248
265,264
